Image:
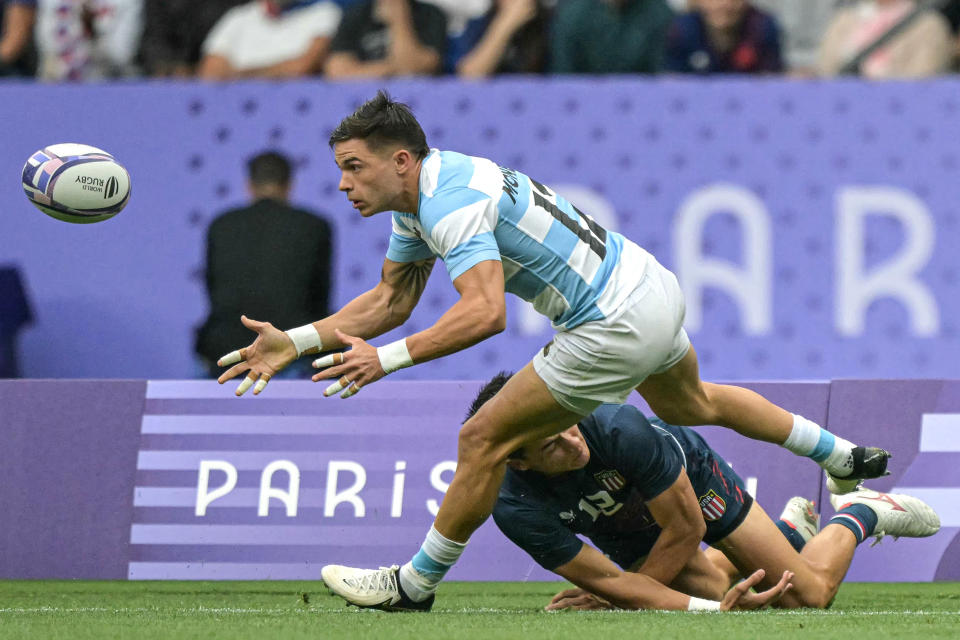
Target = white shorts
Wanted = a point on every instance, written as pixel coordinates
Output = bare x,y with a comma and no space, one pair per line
604,360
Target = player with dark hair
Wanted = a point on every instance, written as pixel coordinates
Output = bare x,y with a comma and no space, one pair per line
618,315
646,493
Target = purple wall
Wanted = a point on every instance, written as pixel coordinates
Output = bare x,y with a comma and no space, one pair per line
103,478
67,459
812,223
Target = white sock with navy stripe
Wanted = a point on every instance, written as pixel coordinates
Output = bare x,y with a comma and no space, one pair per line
832,453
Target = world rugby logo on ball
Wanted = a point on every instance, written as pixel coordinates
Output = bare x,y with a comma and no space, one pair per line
76,183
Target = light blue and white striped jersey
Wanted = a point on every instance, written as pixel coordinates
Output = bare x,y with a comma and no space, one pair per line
553,255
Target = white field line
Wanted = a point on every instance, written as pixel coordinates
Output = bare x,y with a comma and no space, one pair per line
352,610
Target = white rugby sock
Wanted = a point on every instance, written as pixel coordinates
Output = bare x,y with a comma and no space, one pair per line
831,452
425,571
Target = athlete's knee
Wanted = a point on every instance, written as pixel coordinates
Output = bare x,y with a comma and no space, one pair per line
480,442
813,594
685,409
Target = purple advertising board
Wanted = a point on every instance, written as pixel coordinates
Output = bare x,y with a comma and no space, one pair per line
182,480
811,223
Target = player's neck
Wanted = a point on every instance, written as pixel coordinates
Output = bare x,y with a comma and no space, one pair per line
409,200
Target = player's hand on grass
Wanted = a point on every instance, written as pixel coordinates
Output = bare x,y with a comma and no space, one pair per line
741,598
270,352
353,369
578,600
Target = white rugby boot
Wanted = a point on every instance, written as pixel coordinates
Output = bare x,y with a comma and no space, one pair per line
801,514
372,588
898,515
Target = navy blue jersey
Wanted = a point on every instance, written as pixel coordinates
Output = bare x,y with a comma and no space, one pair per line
632,461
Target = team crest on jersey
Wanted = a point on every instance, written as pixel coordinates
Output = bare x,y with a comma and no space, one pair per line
611,480
712,506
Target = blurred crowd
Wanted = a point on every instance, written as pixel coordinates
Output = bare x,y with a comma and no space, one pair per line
84,40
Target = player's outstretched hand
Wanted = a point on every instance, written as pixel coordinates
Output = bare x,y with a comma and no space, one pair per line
741,598
353,369
269,353
579,600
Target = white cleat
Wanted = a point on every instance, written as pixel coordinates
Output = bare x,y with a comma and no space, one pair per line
371,588
840,486
801,514
898,515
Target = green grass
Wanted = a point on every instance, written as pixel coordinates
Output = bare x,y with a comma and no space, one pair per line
240,610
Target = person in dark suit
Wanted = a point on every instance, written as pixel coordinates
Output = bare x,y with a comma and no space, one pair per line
266,260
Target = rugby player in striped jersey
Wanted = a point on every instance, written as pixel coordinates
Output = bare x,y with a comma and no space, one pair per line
617,312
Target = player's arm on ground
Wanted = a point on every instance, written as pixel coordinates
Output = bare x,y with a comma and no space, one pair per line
597,574
603,581
654,462
678,514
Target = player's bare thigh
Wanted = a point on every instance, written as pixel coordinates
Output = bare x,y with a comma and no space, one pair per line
677,395
758,544
522,411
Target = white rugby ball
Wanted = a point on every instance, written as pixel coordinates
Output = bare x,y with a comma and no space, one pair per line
76,183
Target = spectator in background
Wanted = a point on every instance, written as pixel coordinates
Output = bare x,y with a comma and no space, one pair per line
803,23
465,24
382,38
724,36
512,38
81,40
16,37
174,32
923,48
270,39
15,313
269,260
609,36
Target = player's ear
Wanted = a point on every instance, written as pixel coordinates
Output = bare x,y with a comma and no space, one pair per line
518,465
403,160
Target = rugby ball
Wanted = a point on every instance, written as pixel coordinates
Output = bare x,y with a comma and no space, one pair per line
76,183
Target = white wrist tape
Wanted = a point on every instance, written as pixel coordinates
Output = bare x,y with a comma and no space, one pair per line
305,337
698,604
394,356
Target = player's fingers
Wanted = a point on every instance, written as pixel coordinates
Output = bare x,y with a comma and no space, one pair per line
785,583
261,384
232,358
336,387
249,323
351,390
233,371
751,580
246,384
329,361
566,593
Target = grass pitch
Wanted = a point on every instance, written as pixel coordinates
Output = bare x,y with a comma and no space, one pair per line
256,610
